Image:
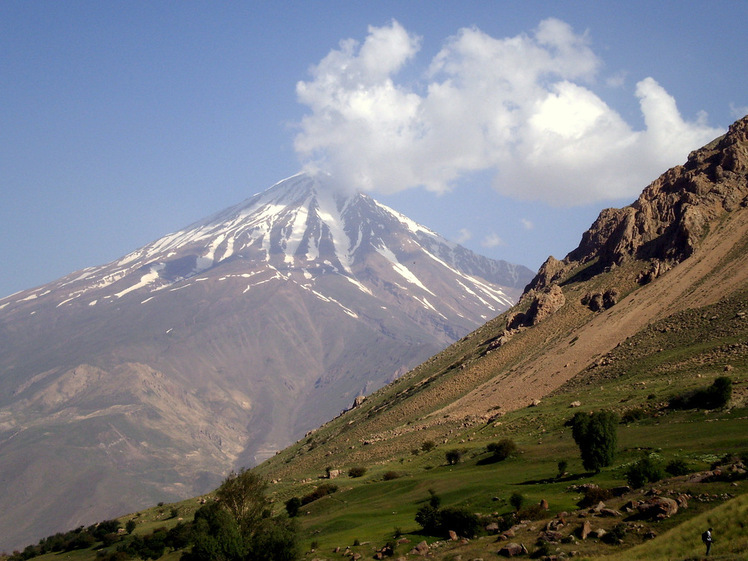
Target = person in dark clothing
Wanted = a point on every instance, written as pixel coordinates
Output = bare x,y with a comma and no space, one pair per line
706,537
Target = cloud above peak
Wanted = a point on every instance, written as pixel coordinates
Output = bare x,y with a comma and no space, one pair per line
521,107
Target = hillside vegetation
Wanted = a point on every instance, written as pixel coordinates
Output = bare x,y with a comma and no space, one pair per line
650,310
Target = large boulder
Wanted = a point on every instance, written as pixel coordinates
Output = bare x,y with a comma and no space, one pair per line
658,508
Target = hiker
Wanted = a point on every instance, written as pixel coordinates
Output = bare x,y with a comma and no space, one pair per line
706,537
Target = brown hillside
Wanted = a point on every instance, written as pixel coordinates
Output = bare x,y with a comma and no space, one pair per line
683,244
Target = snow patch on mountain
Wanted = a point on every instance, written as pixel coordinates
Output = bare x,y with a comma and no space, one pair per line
300,228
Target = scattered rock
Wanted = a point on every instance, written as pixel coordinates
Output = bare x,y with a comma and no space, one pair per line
513,549
453,535
421,549
585,530
575,404
551,536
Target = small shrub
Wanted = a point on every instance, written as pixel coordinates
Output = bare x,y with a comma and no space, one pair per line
616,534
321,491
715,396
532,512
434,499
460,521
593,496
453,457
646,470
677,467
502,449
292,506
357,471
517,500
390,475
428,446
562,465
428,517
130,526
543,550
633,415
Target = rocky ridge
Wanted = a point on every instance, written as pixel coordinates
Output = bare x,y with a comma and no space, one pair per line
668,220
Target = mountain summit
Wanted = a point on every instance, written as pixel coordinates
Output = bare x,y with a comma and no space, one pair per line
148,378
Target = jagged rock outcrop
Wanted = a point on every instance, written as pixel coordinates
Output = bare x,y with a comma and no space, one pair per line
597,301
668,220
543,303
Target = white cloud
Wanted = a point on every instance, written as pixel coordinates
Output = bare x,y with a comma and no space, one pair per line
617,80
527,224
492,240
464,235
521,107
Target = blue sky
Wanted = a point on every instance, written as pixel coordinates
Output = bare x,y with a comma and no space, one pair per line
507,126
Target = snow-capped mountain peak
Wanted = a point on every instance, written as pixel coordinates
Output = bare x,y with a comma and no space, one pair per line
297,230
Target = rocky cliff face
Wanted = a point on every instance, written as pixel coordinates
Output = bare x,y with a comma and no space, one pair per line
670,217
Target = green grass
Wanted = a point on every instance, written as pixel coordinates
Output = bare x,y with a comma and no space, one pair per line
370,510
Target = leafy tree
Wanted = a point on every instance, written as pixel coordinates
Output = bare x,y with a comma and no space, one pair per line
453,457
292,506
216,536
428,517
274,540
562,465
646,470
502,449
716,395
239,526
596,436
460,521
130,526
243,494
179,536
